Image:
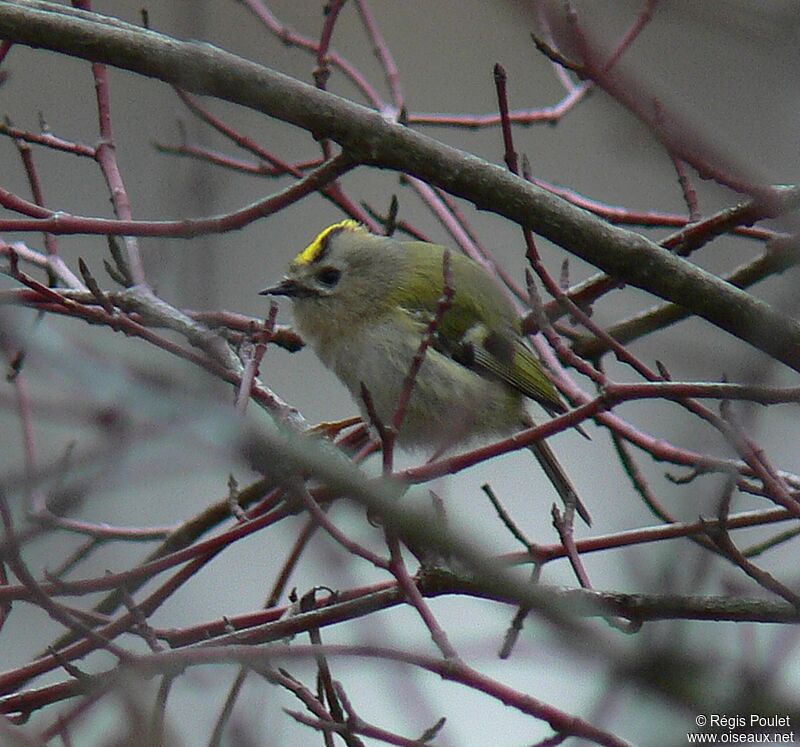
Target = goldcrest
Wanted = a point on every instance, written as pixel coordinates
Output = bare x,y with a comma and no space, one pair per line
363,302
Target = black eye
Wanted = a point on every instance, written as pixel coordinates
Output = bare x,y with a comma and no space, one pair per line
329,276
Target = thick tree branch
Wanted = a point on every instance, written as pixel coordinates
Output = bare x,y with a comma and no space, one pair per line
369,138
274,625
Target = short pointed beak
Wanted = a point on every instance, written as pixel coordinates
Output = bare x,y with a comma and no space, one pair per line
287,287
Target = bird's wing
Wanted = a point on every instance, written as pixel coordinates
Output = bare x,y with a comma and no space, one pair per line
500,356
492,349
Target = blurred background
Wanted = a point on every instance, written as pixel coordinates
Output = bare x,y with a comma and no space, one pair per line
730,68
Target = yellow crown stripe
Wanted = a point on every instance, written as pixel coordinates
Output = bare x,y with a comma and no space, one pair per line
312,251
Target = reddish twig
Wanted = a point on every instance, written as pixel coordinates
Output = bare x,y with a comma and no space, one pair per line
383,53
448,291
689,194
322,520
677,137
106,157
410,591
257,168
449,670
721,538
60,223
291,37
40,596
47,140
252,352
83,646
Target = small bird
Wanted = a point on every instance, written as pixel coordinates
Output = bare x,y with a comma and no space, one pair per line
364,302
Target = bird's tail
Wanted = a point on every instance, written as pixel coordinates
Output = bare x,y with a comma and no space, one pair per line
555,473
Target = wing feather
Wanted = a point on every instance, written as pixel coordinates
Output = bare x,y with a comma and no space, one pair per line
500,356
